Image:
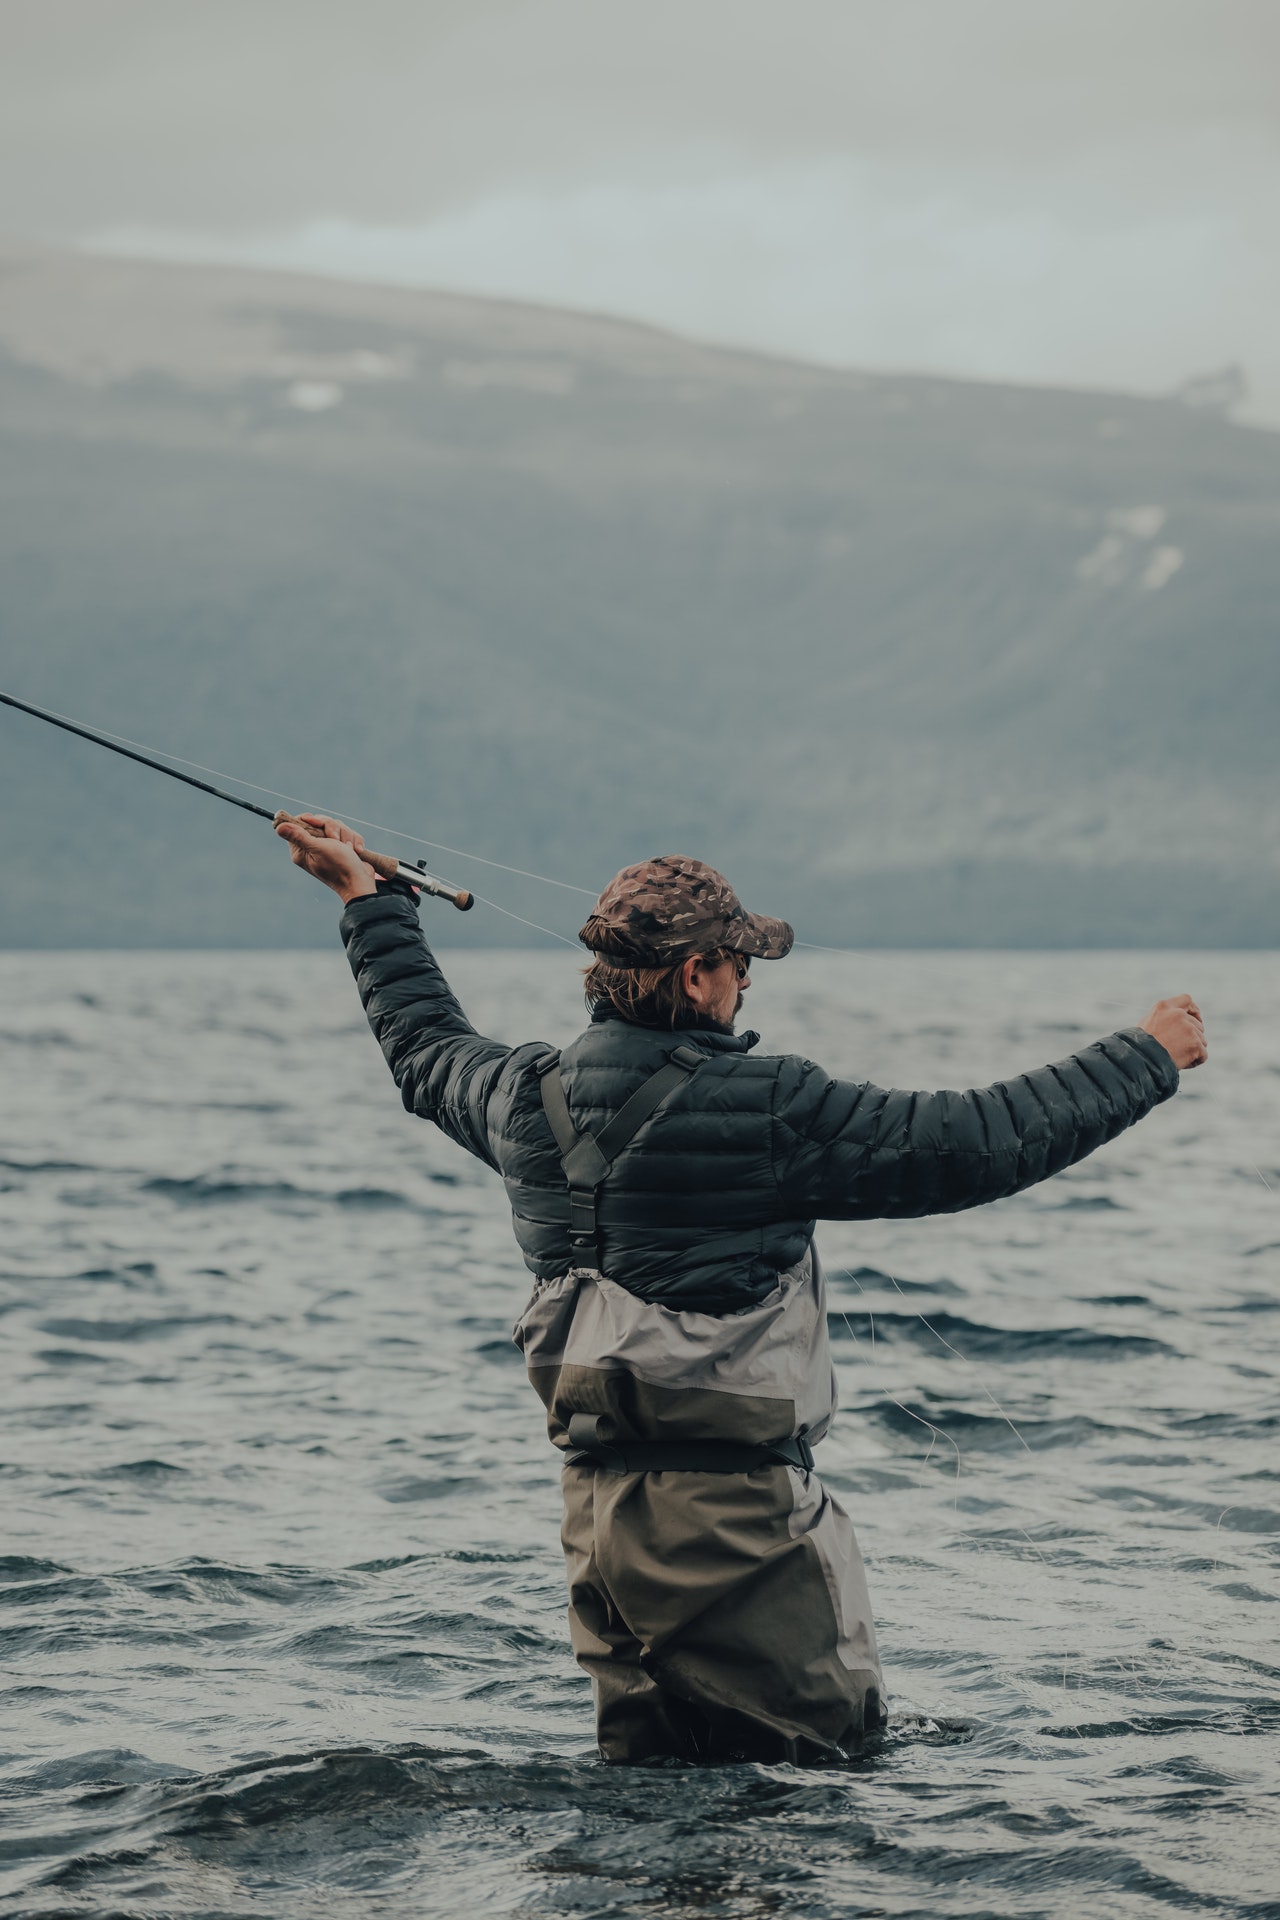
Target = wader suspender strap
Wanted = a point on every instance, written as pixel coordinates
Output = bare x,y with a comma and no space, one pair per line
587,1159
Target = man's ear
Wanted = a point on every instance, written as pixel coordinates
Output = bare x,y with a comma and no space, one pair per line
693,979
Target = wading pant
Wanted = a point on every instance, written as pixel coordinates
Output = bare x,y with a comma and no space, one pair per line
721,1616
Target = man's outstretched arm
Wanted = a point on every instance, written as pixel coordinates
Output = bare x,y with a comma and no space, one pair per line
442,1066
848,1152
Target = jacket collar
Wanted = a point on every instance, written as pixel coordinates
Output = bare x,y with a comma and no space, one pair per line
701,1033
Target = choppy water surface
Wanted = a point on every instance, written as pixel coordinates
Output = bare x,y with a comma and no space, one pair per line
281,1618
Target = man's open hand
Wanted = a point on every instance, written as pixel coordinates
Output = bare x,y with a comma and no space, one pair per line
330,852
1179,1027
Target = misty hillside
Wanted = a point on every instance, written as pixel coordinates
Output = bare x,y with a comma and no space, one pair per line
913,660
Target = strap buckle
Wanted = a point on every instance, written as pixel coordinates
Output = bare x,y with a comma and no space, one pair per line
582,1218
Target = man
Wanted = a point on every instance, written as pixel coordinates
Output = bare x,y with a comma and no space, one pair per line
664,1184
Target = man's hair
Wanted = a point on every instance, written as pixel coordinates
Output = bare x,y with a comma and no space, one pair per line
647,996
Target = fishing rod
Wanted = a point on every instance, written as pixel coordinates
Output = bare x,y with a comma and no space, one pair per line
385,865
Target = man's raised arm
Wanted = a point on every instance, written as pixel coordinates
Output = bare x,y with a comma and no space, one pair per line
442,1066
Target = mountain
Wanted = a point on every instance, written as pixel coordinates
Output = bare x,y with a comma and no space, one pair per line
915,661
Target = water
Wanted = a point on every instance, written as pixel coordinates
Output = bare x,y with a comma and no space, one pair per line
281,1618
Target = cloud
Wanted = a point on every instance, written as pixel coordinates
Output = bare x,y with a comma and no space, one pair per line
1066,191
839,261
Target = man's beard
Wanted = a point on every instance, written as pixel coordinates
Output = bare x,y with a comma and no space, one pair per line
714,1019
730,1024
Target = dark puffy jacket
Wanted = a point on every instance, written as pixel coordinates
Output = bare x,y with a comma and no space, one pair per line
719,1192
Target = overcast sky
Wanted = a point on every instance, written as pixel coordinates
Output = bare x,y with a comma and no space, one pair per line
1071,191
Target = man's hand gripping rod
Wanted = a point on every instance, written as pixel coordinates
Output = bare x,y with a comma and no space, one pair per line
387,867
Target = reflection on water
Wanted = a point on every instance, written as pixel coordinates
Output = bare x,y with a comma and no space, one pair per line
281,1621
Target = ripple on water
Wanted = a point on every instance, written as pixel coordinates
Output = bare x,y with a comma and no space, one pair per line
974,1339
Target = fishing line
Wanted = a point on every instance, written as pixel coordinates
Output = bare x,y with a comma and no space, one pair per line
967,1361
931,1427
1209,1093
564,941
1043,1469
936,1433
934,1430
812,946
915,1311
1022,1442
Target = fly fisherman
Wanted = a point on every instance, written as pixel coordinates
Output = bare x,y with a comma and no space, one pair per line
664,1181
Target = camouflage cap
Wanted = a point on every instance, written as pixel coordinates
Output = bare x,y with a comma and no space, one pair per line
665,910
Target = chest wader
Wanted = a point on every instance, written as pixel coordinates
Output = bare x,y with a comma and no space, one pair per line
716,1591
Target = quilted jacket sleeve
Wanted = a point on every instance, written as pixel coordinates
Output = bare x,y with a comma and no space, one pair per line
848,1152
444,1069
